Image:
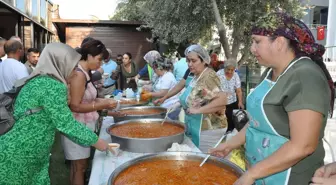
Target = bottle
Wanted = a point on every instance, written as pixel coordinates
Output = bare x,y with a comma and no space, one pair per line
137,96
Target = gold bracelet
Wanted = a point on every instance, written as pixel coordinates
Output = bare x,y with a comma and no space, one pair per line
93,105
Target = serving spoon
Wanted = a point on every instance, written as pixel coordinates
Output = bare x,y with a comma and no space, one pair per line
219,141
168,111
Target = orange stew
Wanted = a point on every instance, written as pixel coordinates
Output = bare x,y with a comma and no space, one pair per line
141,112
174,172
146,130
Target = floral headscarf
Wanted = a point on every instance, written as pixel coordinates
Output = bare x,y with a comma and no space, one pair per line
281,24
151,56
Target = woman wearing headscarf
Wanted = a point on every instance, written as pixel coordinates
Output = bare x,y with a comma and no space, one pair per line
230,83
149,57
203,100
164,82
84,104
288,109
25,149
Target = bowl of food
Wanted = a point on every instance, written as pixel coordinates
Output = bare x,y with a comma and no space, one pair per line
140,112
146,135
178,168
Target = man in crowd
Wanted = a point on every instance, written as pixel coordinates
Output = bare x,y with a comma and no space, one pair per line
119,59
119,62
16,38
2,51
109,84
11,69
33,55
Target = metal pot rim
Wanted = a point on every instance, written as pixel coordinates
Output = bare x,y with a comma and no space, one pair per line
143,107
133,105
134,161
149,119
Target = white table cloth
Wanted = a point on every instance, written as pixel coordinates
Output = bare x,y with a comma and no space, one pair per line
103,166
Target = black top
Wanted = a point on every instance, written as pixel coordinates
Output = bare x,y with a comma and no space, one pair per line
186,74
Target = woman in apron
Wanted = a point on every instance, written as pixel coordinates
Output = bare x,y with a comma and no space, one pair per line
288,109
203,101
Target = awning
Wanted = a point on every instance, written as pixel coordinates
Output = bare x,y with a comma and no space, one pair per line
26,16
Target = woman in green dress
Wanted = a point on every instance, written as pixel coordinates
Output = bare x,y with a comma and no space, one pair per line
25,149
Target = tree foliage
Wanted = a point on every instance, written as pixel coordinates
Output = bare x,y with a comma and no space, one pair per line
177,21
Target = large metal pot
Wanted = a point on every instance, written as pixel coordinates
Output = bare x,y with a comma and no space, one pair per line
139,103
146,145
129,117
223,163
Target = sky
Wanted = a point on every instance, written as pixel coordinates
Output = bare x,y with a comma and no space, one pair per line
83,9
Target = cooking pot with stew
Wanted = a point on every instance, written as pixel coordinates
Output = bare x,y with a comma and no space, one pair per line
178,168
146,135
140,112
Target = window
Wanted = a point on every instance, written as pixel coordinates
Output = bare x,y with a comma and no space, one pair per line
43,12
21,5
35,9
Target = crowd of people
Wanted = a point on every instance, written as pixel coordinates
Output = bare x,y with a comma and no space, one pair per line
287,111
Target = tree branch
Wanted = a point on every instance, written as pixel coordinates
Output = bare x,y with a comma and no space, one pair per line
221,30
236,42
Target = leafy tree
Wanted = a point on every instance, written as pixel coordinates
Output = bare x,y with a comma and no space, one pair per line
178,21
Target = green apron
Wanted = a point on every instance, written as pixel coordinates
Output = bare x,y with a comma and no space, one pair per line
193,122
262,140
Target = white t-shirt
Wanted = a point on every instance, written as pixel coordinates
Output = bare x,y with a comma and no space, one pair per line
11,70
229,86
164,82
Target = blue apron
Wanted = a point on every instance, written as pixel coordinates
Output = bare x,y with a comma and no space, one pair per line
262,140
193,122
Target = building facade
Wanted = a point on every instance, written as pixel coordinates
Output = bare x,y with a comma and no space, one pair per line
28,19
119,36
316,15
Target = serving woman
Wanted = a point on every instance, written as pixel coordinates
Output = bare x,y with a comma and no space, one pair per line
230,82
163,83
149,57
25,149
202,99
288,109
